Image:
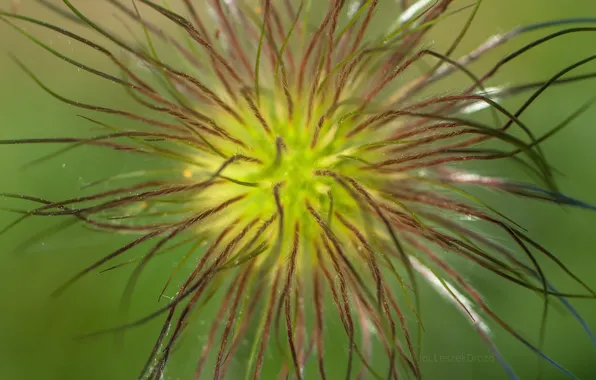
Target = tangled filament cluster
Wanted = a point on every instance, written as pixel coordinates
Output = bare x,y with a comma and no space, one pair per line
308,169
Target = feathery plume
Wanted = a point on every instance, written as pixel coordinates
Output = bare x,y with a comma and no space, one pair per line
311,183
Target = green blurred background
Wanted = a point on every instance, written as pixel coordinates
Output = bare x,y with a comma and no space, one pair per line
37,332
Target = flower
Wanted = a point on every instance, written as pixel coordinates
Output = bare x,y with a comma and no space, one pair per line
306,171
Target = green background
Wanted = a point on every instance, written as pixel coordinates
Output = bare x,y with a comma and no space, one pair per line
37,332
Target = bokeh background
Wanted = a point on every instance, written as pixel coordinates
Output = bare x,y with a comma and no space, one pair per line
37,332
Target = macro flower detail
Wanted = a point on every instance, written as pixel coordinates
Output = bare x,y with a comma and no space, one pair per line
315,175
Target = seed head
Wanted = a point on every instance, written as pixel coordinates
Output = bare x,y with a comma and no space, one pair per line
316,176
